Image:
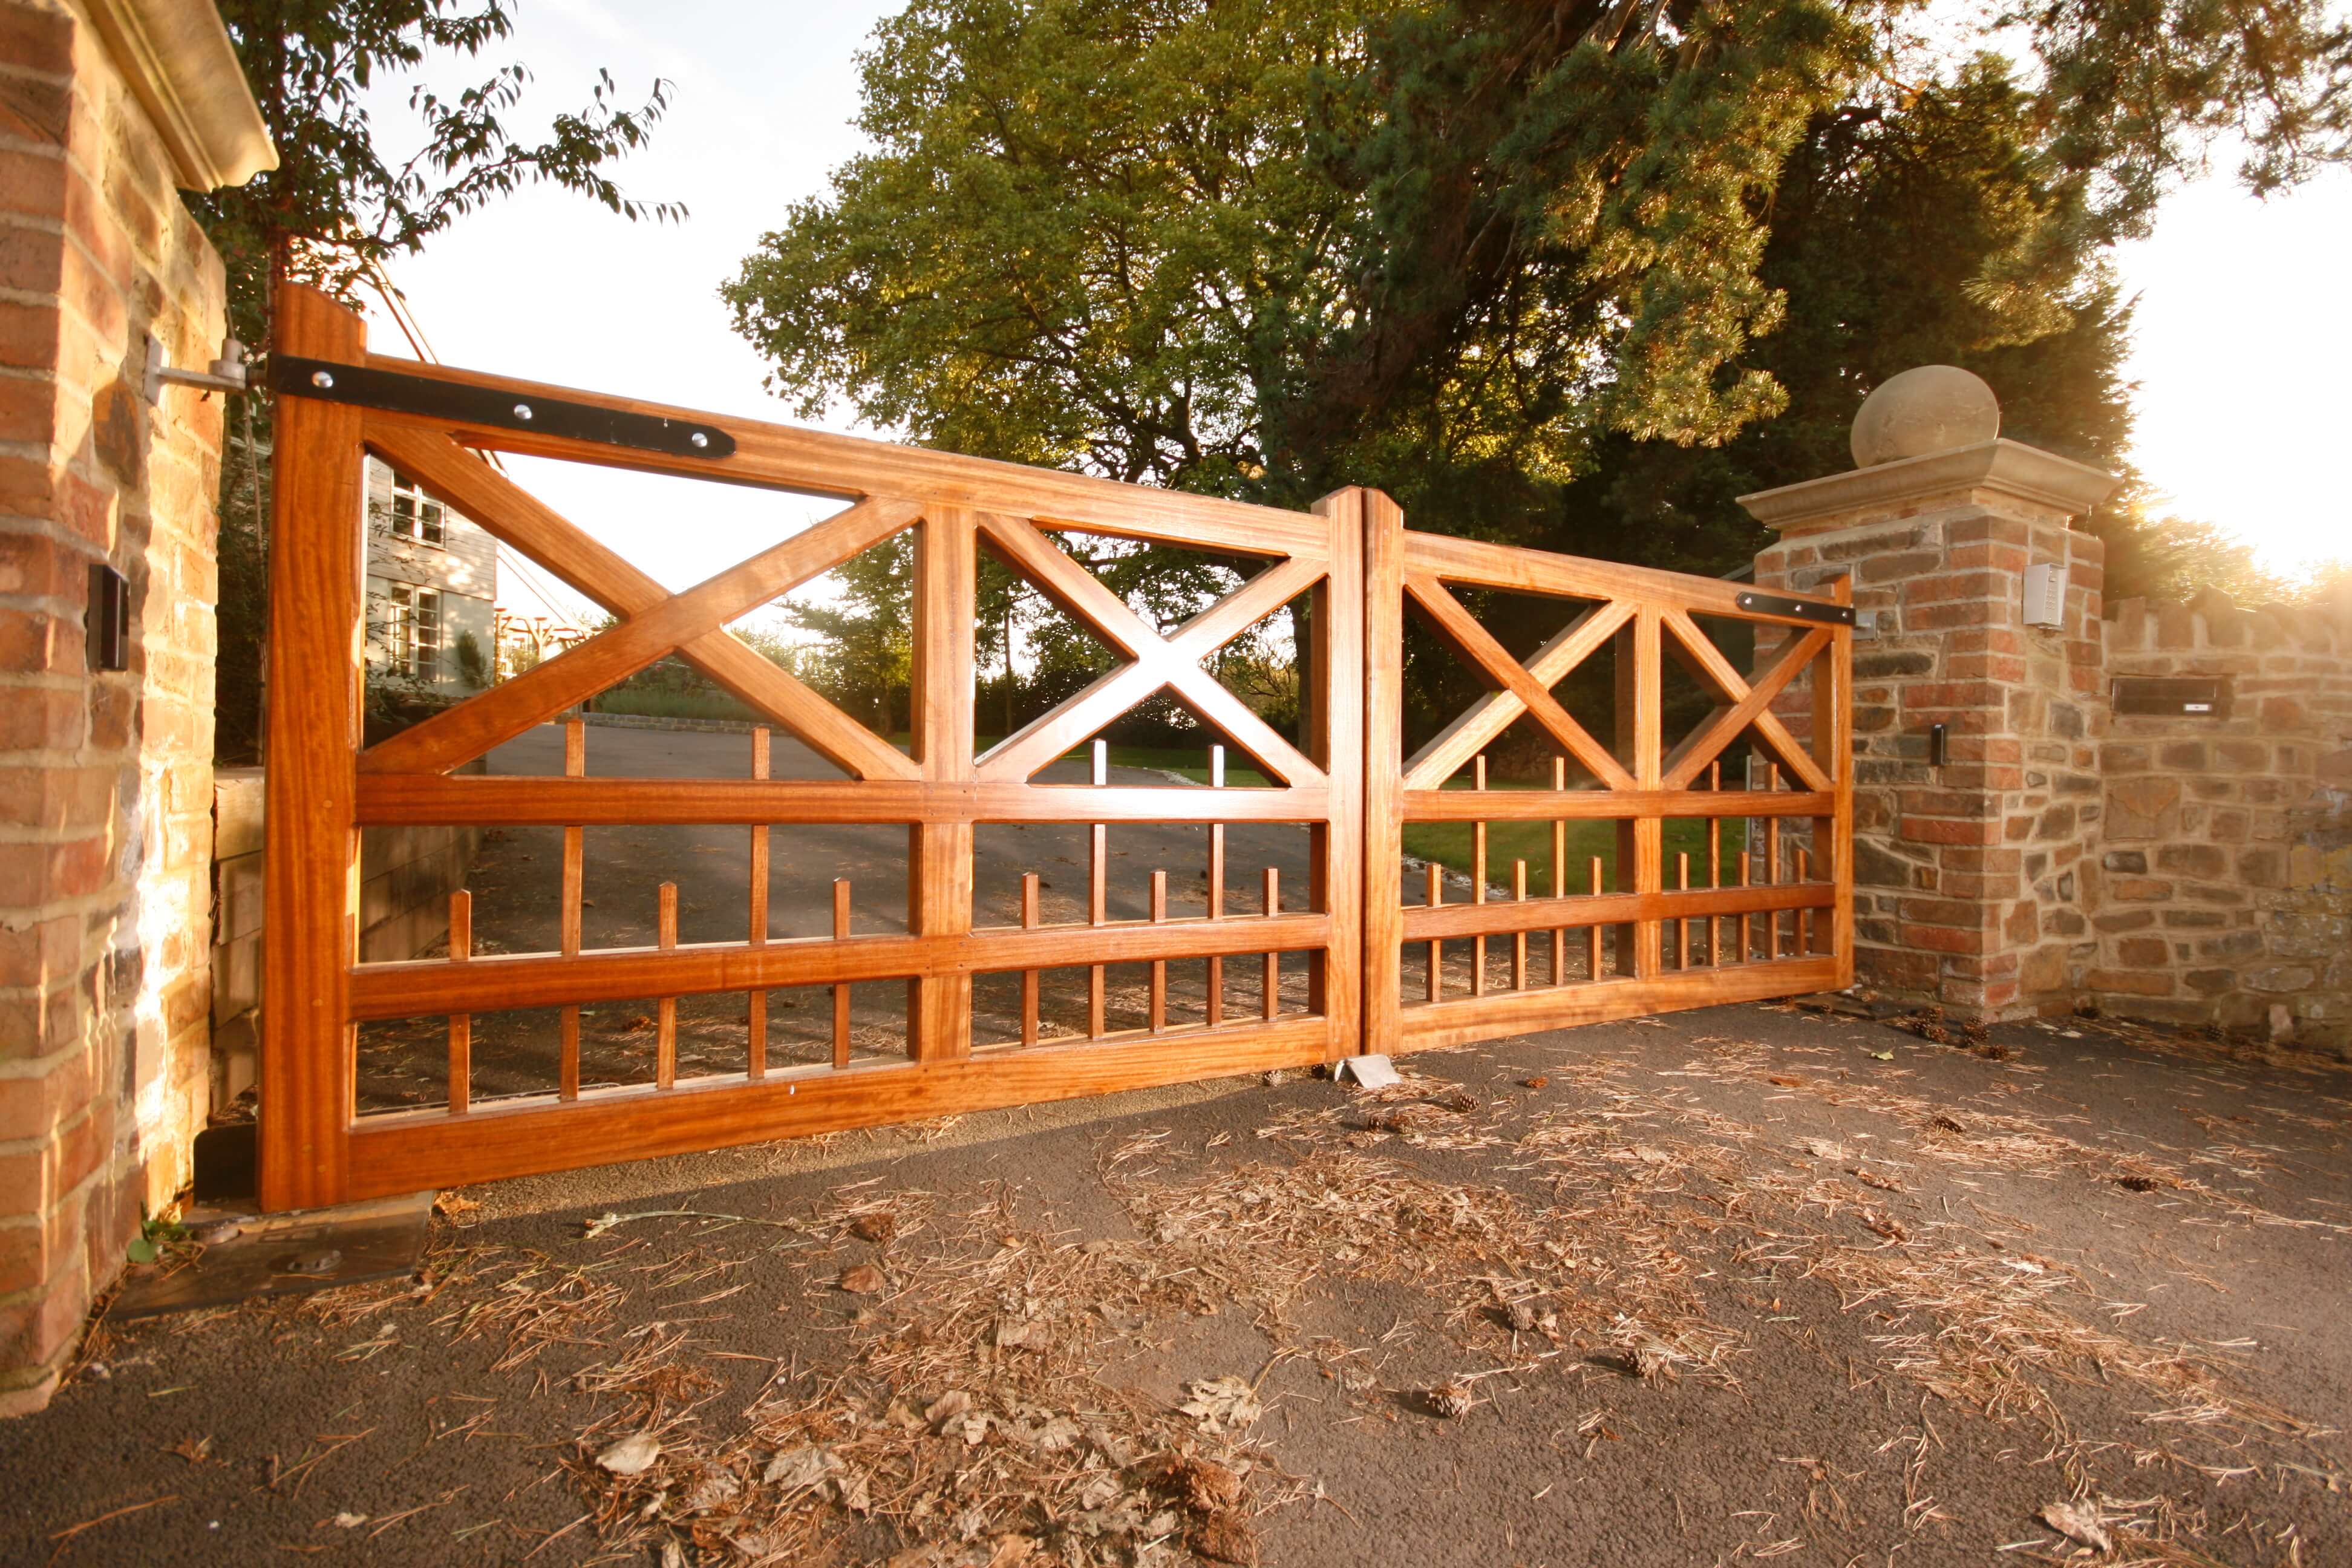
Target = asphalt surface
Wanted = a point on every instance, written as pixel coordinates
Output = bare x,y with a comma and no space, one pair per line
1789,1286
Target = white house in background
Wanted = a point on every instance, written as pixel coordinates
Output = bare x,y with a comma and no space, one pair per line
432,578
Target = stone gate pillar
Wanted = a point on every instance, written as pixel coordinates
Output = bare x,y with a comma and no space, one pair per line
1970,874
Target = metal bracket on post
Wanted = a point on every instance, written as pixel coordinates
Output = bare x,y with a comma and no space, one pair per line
1817,610
465,403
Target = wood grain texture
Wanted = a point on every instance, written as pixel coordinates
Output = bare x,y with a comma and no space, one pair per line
1344,778
403,1152
939,853
1336,723
1697,653
497,715
817,462
1173,661
1475,647
422,987
519,518
1451,921
312,848
1382,808
393,800
461,1026
1505,567
1467,1020
1456,744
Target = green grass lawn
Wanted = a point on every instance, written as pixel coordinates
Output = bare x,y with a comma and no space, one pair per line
1448,843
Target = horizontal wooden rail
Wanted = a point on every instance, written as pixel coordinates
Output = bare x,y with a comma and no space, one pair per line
1424,922
387,800
1599,804
403,1151
1478,564
818,462
421,988
1425,1026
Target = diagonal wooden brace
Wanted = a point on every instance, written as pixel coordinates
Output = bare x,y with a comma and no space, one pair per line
1173,661
1698,654
517,518
1704,744
1525,689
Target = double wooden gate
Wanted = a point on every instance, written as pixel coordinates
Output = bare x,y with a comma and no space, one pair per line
1351,562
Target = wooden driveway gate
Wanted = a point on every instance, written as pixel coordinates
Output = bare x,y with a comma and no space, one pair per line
337,403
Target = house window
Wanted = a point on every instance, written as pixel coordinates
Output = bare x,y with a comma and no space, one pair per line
414,514
412,632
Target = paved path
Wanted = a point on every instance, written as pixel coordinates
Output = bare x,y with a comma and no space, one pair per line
1739,1284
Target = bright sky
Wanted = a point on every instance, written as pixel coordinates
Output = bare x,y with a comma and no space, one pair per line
2243,316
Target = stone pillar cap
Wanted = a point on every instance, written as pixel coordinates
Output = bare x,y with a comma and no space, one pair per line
2005,469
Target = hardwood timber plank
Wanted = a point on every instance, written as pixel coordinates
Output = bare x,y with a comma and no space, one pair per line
401,1152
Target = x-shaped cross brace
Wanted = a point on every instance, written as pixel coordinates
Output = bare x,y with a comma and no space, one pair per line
656,622
1520,690
1745,706
1173,661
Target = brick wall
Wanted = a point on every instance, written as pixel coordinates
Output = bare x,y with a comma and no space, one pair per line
2186,868
105,778
2226,893
1969,877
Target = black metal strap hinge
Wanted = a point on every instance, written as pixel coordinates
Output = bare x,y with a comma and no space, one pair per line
1819,610
367,387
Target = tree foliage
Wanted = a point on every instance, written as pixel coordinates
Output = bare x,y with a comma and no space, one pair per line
1261,250
338,208
1571,273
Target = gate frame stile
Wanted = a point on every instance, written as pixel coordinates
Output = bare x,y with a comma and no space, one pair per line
311,840
325,785
1641,808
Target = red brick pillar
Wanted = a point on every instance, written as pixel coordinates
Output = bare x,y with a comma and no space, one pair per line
1969,877
105,775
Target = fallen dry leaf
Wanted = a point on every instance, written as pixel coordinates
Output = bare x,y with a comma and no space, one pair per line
1222,1404
1224,1537
2078,1523
864,1279
632,1456
1539,1081
875,1225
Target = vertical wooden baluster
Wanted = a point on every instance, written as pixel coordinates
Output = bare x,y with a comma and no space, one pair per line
1682,928
1273,960
575,765
1029,976
1436,948
1478,881
756,1064
1559,874
1592,933
1804,918
1772,866
1742,957
840,992
666,1027
1715,868
461,1024
1217,890
1519,938
1159,966
1097,895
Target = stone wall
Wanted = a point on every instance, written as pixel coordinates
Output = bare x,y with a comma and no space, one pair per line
2193,868
1968,884
406,875
105,776
2226,893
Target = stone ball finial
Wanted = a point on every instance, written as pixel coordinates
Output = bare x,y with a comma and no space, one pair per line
1931,409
